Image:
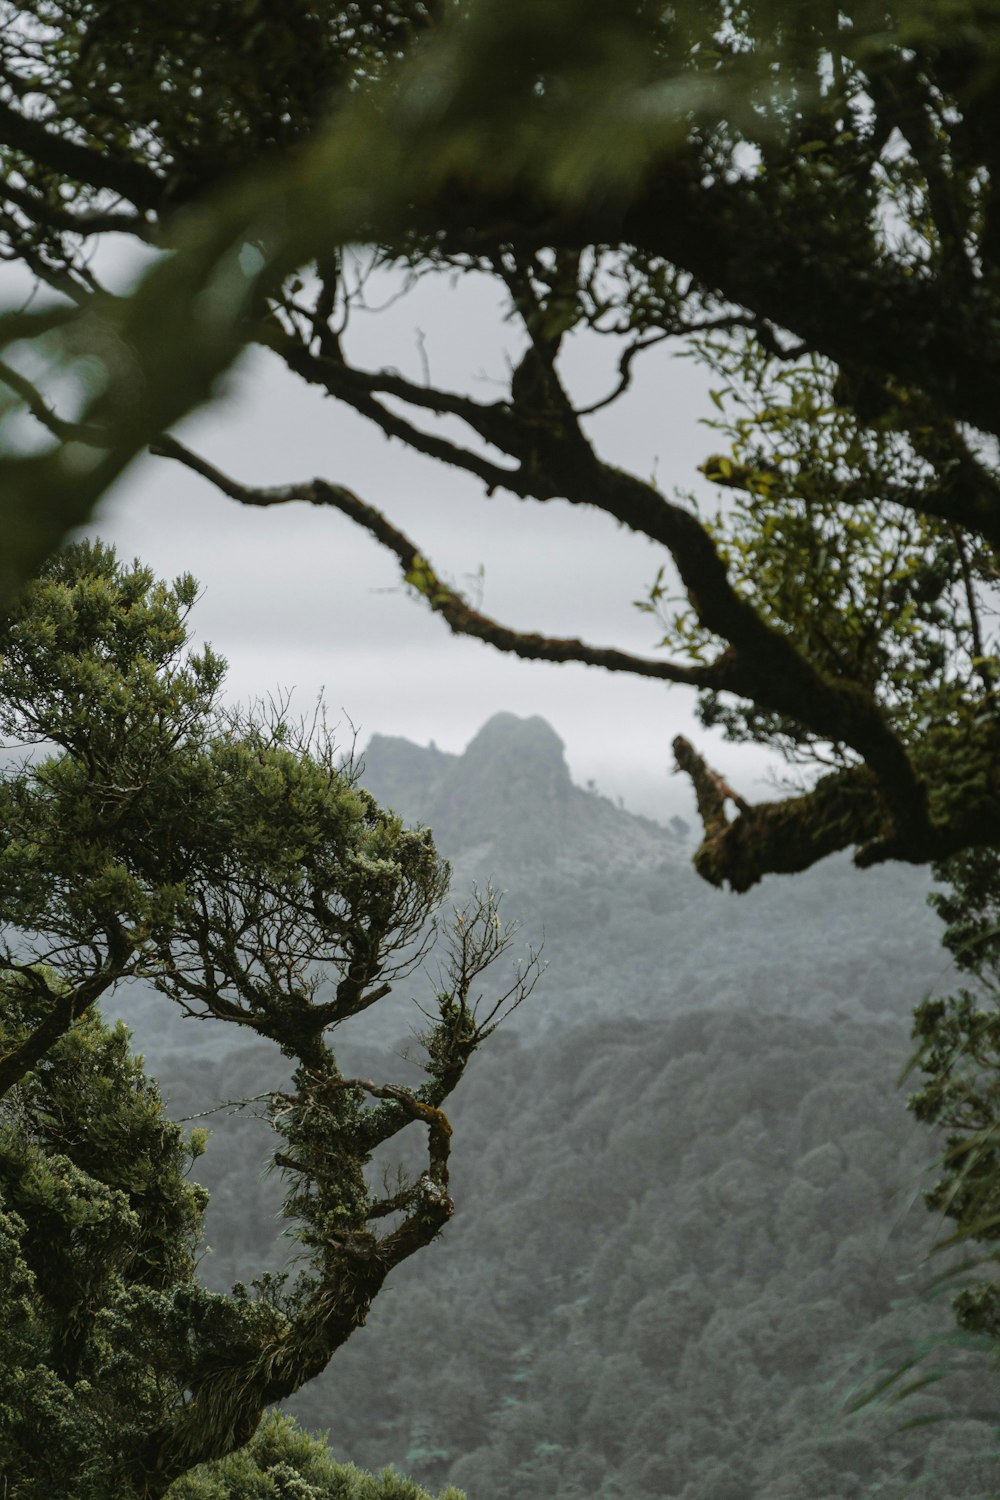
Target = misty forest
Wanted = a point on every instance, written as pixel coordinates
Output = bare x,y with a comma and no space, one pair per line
378,1121
691,1228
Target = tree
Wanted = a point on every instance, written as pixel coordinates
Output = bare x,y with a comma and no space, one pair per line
230,859
281,1461
958,1051
802,196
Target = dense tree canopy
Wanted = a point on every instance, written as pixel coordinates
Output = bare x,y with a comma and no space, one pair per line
231,860
802,195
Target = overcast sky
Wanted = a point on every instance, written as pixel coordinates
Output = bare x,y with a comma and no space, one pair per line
298,597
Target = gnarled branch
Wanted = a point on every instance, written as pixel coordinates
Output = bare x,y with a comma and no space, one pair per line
419,574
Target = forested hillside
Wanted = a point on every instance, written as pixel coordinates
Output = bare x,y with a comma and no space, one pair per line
689,1219
684,1240
628,926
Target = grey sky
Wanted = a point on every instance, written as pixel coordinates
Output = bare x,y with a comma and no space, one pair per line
299,597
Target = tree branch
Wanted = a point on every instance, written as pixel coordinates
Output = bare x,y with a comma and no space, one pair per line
777,837
66,1009
555,458
418,573
356,389
854,308
844,810
760,663
100,169
66,432
42,211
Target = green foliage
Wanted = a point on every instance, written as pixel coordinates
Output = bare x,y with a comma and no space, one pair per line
870,592
100,1234
230,859
128,73
281,1462
958,1042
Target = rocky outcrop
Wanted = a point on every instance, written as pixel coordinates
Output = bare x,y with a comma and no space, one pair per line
509,802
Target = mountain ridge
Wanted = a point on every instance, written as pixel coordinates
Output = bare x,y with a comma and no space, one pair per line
628,925
511,766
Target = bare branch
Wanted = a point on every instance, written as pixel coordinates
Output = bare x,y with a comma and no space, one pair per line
358,389
636,347
477,939
418,573
66,432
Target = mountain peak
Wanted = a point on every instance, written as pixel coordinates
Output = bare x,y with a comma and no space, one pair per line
509,801
523,758
507,732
